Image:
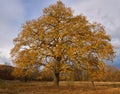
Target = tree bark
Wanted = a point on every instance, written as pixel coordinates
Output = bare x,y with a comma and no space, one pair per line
25,79
56,79
93,83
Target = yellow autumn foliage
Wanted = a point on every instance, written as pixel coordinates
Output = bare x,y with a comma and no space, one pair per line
59,40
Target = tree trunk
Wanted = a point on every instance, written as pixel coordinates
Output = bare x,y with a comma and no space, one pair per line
56,79
57,73
25,79
93,83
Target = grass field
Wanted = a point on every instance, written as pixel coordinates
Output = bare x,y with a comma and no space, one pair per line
16,87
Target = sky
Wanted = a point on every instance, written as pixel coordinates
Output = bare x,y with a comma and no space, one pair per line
14,13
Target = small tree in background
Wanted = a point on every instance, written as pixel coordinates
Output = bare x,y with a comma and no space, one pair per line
62,42
95,74
111,73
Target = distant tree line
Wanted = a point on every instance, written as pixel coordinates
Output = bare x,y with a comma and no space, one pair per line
111,73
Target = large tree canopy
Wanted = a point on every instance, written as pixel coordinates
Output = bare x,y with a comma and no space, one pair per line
61,41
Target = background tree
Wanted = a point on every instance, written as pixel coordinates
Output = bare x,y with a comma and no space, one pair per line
111,73
5,72
95,74
63,41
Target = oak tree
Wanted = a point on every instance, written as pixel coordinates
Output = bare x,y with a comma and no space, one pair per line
61,41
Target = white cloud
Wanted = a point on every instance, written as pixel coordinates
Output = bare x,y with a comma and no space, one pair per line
4,60
11,14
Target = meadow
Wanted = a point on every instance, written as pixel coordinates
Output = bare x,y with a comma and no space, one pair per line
68,87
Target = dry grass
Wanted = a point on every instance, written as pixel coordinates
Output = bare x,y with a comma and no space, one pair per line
16,87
